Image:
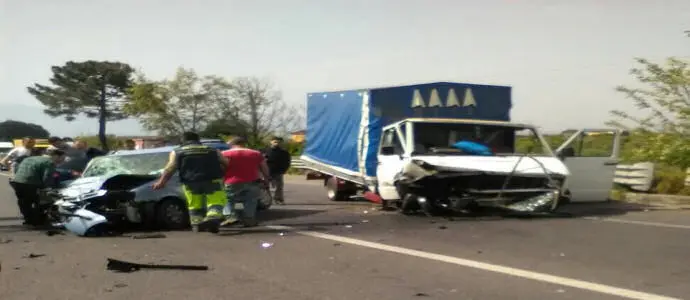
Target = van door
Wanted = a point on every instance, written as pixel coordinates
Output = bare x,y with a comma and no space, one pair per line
591,156
390,162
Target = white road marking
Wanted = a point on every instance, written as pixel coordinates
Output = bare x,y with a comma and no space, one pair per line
614,220
563,281
5,174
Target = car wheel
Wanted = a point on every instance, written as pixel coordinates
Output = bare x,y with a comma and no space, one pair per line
172,214
266,200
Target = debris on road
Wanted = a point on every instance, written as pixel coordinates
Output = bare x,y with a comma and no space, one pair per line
5,240
282,234
266,245
365,221
33,255
348,226
149,236
442,227
128,267
421,295
53,232
337,244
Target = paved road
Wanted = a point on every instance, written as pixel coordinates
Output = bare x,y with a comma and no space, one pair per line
312,249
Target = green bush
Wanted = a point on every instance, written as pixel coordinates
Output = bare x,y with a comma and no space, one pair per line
670,180
661,148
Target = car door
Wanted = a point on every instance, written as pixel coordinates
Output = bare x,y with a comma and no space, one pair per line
591,156
390,162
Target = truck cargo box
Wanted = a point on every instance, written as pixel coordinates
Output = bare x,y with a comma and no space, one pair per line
344,127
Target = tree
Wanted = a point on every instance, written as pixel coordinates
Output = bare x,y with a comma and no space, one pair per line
663,135
666,99
10,130
95,89
257,104
183,103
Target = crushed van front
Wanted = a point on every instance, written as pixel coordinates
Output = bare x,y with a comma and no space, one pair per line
514,182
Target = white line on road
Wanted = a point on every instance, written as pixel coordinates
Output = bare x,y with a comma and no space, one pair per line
5,174
563,281
614,220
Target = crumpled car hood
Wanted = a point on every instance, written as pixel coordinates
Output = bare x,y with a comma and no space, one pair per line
83,185
497,164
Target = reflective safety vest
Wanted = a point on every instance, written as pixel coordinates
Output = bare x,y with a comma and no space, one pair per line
198,163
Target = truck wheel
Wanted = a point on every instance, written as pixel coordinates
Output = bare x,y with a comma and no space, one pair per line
334,191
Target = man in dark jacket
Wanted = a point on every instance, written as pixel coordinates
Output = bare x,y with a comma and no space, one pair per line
278,160
33,174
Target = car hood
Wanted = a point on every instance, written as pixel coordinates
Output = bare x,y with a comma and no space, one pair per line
89,185
497,164
83,185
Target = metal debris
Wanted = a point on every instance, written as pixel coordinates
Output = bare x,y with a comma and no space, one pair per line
266,245
128,267
149,236
34,255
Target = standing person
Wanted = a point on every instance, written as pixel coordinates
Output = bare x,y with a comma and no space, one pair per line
33,174
14,157
278,161
200,169
242,181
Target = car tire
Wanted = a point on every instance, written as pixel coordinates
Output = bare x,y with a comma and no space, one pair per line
172,214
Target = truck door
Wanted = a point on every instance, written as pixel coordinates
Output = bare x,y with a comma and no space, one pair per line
390,162
591,156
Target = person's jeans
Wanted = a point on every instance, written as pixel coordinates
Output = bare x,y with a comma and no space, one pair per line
278,184
247,193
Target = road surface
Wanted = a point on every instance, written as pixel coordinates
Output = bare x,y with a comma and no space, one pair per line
313,249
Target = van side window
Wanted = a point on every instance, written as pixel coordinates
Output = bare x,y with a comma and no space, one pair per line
390,139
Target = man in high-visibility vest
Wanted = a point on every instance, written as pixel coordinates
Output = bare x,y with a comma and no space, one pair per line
201,169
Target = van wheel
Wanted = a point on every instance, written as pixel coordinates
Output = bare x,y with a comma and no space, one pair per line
334,192
172,214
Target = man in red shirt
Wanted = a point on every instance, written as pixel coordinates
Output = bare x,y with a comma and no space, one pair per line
242,181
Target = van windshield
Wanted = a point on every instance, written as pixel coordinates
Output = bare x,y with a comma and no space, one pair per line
440,138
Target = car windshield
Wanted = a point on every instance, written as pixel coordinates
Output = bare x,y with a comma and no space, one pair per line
435,138
139,164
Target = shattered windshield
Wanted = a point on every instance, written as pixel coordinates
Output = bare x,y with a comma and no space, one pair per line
140,164
442,138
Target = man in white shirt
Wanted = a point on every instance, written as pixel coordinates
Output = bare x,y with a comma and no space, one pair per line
18,153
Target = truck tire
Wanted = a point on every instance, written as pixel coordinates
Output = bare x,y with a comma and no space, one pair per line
335,192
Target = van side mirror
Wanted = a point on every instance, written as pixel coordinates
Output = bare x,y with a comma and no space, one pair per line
566,152
388,150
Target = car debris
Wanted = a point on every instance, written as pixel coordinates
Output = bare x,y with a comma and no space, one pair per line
34,255
128,267
148,236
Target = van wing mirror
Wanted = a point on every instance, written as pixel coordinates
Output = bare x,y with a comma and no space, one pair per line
566,152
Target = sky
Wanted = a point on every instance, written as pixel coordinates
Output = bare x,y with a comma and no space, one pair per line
562,58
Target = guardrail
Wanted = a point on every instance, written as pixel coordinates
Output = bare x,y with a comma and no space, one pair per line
296,162
638,177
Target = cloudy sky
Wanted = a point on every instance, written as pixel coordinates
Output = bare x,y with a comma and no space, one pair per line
563,58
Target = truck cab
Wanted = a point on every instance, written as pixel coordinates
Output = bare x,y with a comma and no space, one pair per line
419,164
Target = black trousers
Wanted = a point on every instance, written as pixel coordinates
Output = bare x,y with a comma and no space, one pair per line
28,201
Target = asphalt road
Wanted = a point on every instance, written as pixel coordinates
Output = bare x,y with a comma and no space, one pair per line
313,249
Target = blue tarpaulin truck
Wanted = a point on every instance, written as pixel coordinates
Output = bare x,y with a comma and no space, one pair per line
396,144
